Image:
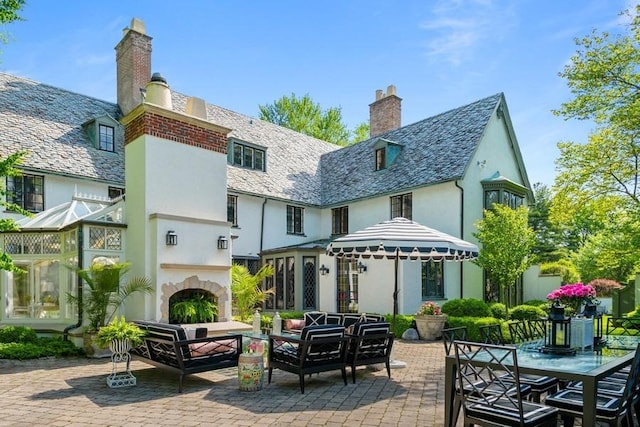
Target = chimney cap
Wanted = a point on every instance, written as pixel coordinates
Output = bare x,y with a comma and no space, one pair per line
157,77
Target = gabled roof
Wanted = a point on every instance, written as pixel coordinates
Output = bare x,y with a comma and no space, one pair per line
78,209
47,122
434,150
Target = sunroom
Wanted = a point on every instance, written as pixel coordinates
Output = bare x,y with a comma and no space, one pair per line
47,249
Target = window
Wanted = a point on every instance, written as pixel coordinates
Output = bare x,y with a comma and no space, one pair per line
347,285
401,206
499,189
340,220
105,138
115,192
432,280
248,157
381,162
26,191
295,220
232,210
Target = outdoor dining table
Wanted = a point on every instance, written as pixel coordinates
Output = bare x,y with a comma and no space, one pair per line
588,366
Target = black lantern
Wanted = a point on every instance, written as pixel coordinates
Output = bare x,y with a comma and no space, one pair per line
223,242
557,334
591,310
361,267
171,238
324,270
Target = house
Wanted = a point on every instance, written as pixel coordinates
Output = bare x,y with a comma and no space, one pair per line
182,188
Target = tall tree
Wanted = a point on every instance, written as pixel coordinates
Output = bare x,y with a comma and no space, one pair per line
549,245
506,240
8,167
305,116
603,77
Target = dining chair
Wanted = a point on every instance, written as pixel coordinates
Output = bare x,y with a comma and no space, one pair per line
540,384
519,332
491,334
613,409
504,405
537,328
449,335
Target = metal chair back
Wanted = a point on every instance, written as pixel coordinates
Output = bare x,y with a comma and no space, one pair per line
492,334
449,335
519,332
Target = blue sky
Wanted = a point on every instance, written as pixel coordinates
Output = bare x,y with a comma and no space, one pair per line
241,54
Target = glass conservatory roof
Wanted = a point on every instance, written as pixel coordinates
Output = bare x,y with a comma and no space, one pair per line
78,209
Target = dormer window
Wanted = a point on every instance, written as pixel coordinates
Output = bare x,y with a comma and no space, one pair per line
247,156
106,138
104,132
386,153
381,156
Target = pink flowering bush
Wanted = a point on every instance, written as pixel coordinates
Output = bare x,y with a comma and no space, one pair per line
574,295
429,308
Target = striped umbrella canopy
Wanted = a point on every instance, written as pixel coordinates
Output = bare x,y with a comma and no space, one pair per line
401,238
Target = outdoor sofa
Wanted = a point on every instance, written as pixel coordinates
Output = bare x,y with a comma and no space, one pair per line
167,346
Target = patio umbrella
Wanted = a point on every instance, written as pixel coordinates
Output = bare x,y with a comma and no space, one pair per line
401,238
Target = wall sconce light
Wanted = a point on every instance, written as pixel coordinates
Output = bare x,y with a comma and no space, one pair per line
361,267
482,163
324,270
223,243
171,238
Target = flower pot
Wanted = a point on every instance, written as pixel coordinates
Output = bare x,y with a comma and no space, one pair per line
120,346
430,326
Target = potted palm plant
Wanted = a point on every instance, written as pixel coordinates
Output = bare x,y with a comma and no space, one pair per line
104,292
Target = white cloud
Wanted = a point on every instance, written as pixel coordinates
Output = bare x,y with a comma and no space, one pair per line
458,27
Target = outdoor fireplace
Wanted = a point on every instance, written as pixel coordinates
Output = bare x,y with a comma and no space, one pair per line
193,285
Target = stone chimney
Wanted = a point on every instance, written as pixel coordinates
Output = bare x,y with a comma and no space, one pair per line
384,112
133,62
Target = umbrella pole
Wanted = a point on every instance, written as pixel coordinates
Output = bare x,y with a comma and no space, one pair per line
393,363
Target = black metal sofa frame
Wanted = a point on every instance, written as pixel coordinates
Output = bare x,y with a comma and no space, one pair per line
166,346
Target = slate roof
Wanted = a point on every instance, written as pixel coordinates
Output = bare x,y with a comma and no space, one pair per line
46,121
292,159
434,150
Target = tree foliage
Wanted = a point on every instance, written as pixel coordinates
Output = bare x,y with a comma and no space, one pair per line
305,116
548,236
8,167
613,253
9,13
507,241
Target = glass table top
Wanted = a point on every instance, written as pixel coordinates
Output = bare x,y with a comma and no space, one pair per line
612,349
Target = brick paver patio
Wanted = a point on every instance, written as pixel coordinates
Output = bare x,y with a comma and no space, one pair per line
73,392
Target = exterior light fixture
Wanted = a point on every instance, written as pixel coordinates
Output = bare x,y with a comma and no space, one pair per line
324,270
223,242
171,238
361,267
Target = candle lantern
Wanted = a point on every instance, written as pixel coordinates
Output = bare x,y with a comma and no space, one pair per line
557,334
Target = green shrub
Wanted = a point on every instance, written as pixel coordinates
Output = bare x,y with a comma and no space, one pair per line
537,302
563,267
292,315
499,310
526,312
17,334
42,347
403,322
473,325
467,307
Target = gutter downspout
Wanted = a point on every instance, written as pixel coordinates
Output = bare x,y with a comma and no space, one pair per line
461,235
80,290
264,203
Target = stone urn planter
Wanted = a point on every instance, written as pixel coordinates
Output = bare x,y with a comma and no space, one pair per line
430,326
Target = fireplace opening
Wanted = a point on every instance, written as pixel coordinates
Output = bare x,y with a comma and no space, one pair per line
193,306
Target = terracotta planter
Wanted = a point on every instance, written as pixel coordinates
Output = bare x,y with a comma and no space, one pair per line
430,326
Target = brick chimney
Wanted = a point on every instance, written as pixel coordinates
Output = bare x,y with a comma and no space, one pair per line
384,112
133,62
